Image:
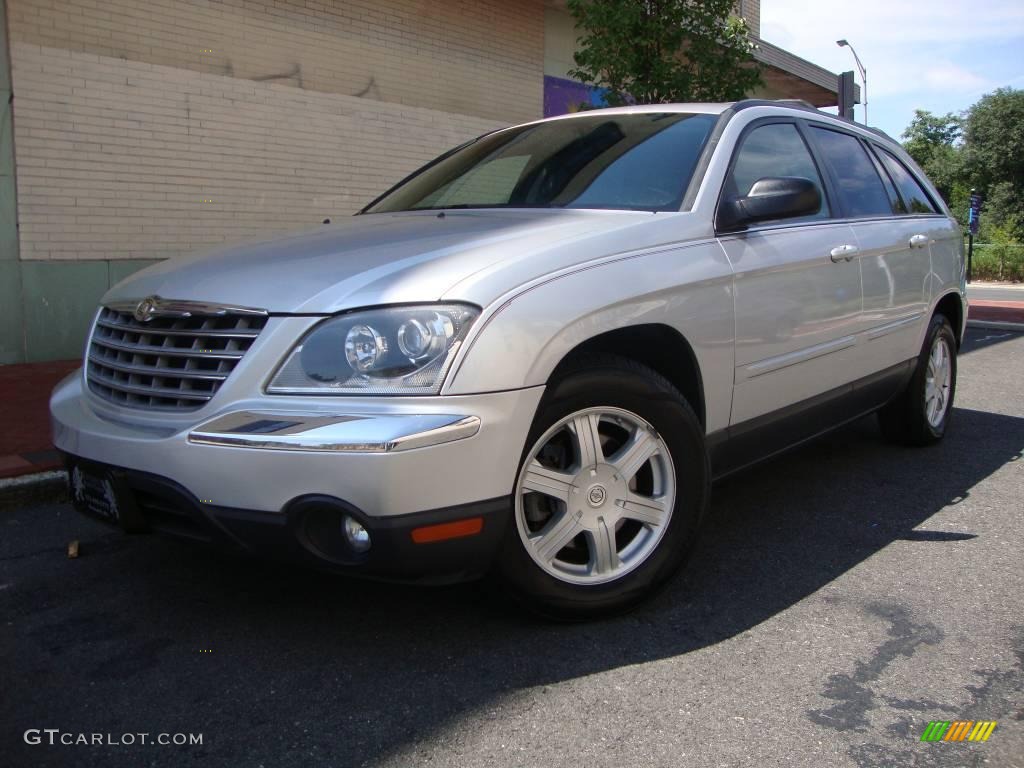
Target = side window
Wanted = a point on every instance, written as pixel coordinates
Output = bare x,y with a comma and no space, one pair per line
774,150
915,199
860,187
890,189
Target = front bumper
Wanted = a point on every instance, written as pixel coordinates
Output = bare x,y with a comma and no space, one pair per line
307,531
384,456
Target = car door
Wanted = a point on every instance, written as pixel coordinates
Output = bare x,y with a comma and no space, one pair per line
926,238
797,289
893,250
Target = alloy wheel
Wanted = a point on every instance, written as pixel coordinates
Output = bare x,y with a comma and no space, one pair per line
595,495
938,378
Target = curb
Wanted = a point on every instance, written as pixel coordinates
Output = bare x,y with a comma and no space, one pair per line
997,325
40,488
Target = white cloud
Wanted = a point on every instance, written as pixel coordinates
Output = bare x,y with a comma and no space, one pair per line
949,77
915,53
819,24
890,35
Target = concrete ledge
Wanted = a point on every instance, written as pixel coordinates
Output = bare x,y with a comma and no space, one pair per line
40,488
996,325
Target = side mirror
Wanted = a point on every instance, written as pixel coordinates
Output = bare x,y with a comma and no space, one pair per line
785,197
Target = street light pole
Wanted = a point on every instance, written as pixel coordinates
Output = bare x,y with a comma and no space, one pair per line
863,74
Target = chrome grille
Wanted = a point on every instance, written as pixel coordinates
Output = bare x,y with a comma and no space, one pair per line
167,363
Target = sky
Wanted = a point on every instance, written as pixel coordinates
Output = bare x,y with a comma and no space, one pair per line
941,55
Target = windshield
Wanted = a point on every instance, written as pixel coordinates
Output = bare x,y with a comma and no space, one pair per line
638,161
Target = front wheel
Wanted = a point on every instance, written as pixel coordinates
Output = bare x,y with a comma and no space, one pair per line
920,415
611,488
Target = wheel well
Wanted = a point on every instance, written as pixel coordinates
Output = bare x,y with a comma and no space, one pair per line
657,346
951,306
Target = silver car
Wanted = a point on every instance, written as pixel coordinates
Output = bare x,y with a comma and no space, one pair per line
530,357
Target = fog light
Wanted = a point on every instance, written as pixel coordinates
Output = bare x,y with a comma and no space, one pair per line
357,537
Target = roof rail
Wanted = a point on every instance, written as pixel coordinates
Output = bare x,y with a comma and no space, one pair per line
800,102
806,107
791,103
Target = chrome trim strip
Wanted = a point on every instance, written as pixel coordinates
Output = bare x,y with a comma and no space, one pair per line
141,328
884,330
150,370
449,433
145,349
373,433
180,308
771,364
174,394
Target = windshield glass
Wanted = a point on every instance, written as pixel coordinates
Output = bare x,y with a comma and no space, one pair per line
634,162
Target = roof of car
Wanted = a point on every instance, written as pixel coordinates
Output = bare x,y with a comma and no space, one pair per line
699,108
691,108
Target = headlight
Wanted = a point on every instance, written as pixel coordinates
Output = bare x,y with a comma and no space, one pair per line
388,351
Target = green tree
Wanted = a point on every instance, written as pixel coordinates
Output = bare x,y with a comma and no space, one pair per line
658,51
932,140
927,131
993,153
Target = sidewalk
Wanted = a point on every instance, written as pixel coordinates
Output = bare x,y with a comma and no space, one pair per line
25,446
996,311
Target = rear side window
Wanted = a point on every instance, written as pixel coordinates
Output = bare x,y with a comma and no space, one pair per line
860,188
915,199
773,150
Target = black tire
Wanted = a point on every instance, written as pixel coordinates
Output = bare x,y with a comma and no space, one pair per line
905,419
623,384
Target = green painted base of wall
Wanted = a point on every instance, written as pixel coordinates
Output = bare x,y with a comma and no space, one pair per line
46,307
12,324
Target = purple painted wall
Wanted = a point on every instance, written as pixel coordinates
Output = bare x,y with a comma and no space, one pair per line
562,96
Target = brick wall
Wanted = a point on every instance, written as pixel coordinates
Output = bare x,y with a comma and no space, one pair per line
134,144
474,57
751,11
122,159
148,128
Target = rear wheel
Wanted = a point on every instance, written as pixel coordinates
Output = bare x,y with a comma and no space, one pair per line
921,414
609,494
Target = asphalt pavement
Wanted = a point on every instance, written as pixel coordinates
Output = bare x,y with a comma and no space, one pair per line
995,292
842,596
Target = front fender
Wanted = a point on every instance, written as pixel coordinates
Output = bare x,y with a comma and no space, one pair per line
521,339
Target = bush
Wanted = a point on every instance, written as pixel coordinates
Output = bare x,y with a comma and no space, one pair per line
1003,261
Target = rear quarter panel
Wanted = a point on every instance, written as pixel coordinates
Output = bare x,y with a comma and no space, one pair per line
948,267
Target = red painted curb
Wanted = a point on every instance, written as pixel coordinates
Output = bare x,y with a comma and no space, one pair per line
997,311
25,388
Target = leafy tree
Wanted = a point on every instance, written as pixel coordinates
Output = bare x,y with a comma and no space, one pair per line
982,149
657,51
932,141
994,156
927,131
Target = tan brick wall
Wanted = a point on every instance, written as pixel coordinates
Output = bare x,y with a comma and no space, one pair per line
116,159
474,57
752,13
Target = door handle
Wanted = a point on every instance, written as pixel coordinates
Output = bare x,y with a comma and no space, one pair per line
919,241
843,252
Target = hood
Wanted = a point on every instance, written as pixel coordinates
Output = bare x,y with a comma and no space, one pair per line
393,258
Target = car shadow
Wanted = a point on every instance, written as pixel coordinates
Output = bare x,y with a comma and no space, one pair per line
176,638
976,339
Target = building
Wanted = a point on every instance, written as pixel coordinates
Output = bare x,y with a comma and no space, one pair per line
141,129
